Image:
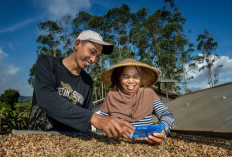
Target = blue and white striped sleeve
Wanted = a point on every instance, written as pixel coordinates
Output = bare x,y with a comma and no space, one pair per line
104,113
164,115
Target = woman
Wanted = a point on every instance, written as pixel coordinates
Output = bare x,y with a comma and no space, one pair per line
132,100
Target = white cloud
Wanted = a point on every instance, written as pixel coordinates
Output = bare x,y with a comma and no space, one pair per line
200,80
9,78
2,54
17,26
102,3
57,8
12,70
6,70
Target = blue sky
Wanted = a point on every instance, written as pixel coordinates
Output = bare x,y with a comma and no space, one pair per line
19,20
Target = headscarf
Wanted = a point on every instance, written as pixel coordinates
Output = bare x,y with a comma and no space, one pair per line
131,107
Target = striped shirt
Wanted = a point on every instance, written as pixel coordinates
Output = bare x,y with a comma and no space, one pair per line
163,114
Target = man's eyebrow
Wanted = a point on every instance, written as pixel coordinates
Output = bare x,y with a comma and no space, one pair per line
94,49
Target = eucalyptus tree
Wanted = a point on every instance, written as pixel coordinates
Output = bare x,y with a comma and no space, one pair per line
138,35
163,31
152,39
66,38
206,46
49,39
79,23
172,34
119,21
153,31
48,42
185,57
216,72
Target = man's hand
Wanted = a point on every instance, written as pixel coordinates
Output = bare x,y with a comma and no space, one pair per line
126,127
156,137
113,127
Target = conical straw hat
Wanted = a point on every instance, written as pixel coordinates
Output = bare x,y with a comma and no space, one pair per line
149,74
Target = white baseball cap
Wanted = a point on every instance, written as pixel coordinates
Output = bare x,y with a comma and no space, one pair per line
95,37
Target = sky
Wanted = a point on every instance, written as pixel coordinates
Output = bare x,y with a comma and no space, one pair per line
19,20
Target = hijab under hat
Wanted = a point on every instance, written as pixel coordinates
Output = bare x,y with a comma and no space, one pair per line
131,107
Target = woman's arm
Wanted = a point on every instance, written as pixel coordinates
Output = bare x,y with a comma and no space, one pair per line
104,113
164,115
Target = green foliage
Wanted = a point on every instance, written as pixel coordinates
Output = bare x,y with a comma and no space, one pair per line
206,45
155,38
10,97
54,39
13,115
14,119
31,76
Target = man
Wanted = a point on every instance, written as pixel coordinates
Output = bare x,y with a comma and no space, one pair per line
62,98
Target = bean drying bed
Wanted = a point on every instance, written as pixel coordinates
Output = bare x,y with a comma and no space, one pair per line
29,143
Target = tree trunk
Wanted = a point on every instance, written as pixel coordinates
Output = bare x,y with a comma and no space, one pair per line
185,81
102,91
158,54
210,76
128,42
119,51
95,93
102,86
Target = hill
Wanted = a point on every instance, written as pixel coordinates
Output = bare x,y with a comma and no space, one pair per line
25,99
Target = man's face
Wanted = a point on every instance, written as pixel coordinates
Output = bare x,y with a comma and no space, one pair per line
87,53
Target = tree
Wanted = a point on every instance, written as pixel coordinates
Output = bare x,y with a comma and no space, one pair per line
119,21
184,50
206,45
10,97
8,118
156,39
216,72
164,41
138,35
153,30
65,38
54,39
79,23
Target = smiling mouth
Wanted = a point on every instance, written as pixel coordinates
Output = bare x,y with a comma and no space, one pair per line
87,63
130,87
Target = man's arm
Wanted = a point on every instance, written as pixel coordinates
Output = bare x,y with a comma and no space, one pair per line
54,105
66,112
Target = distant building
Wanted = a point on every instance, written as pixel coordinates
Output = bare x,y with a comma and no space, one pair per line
165,95
205,110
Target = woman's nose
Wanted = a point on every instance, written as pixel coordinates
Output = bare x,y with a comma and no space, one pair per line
131,80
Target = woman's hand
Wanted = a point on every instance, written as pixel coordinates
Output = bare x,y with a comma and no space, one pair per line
156,137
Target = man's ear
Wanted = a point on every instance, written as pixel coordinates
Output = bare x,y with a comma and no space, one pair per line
77,42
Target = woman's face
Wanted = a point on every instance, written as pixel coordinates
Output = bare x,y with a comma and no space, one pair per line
130,79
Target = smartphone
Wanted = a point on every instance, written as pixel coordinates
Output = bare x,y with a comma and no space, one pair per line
145,131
